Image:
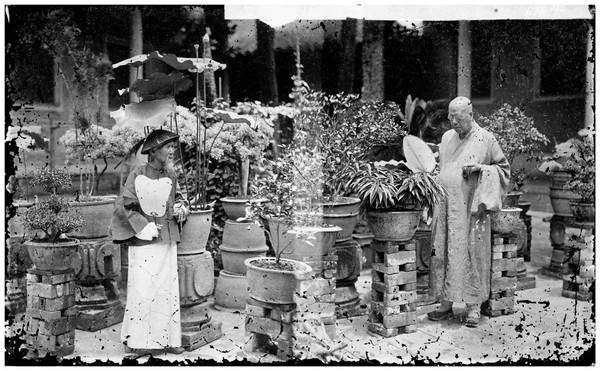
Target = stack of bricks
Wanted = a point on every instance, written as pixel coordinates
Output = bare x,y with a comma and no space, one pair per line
578,282
394,288
293,330
324,273
51,314
503,280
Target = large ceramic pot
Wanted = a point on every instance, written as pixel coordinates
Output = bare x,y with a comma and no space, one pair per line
268,284
56,256
560,197
342,212
241,241
319,245
195,232
583,211
96,214
235,207
506,220
512,199
394,225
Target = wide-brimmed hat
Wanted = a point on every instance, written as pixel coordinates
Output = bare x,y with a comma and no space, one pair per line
158,138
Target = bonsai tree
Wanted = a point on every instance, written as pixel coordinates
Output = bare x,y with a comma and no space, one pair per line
53,215
517,136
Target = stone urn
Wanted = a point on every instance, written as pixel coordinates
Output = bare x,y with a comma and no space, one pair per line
394,225
97,213
195,232
269,282
506,220
53,256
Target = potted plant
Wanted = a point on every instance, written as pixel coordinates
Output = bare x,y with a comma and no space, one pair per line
583,181
396,194
53,215
562,168
85,148
518,137
247,133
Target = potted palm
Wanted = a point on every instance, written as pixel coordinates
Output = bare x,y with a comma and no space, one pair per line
396,194
54,216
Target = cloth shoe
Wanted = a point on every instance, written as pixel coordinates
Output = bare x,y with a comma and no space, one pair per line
439,315
175,350
473,316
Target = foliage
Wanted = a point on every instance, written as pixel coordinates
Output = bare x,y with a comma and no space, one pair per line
346,130
582,162
53,216
389,187
50,180
563,152
92,144
517,136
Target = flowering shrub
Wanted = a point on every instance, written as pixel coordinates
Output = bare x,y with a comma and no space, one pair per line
516,135
53,216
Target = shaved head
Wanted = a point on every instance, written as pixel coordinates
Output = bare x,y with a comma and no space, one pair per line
462,105
460,114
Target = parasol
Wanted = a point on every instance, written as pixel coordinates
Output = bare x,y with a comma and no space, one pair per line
195,65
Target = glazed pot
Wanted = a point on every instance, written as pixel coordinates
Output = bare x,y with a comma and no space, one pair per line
272,285
394,225
231,291
195,232
560,198
48,256
235,207
506,220
511,199
97,215
343,213
241,241
583,211
319,245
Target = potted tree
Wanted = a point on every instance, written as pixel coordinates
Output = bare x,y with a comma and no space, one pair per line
562,168
54,216
583,181
396,194
518,137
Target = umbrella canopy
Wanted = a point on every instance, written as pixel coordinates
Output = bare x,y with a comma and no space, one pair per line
144,113
160,85
190,64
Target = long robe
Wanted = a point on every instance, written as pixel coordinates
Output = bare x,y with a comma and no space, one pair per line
152,313
461,252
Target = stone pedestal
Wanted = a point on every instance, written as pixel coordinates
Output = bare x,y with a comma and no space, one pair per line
196,284
579,277
347,300
51,313
560,227
97,270
394,288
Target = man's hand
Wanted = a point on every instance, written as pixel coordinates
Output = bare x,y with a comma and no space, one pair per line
470,168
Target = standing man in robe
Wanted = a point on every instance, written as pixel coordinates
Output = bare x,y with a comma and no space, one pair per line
145,217
476,174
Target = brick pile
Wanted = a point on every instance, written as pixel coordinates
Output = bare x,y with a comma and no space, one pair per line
51,314
503,277
578,282
394,288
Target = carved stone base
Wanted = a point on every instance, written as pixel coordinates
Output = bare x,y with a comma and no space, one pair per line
349,261
347,303
16,294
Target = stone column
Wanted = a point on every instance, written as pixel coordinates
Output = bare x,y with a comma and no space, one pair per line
464,59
